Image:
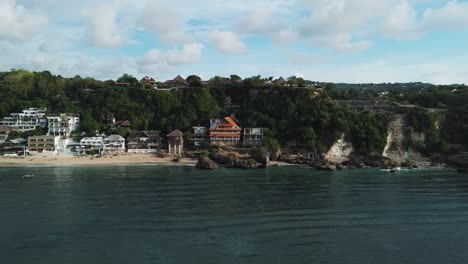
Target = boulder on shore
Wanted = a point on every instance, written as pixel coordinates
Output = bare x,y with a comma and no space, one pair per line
205,163
459,160
326,167
249,164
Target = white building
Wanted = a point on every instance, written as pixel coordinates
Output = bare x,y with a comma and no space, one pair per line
28,120
114,144
63,125
253,136
92,143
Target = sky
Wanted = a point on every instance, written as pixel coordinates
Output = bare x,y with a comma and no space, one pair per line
355,41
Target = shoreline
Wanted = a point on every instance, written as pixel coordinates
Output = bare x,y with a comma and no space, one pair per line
69,160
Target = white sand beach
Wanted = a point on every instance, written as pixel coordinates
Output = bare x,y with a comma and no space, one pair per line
129,159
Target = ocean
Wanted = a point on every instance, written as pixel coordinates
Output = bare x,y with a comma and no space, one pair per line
164,214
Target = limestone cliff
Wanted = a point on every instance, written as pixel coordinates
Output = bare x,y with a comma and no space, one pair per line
340,151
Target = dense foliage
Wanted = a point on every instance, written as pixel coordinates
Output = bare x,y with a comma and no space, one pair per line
295,116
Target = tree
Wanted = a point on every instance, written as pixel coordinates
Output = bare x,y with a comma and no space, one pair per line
235,78
127,78
194,81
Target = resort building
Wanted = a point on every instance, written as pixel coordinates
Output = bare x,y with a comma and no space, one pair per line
199,135
114,144
92,144
63,125
15,146
4,132
253,136
177,82
147,141
175,142
28,120
224,132
43,144
149,82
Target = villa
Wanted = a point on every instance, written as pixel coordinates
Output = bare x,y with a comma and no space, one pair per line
114,144
4,132
28,120
175,141
199,136
147,141
253,136
63,125
43,144
92,144
224,132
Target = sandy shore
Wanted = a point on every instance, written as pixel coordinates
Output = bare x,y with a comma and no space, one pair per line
65,160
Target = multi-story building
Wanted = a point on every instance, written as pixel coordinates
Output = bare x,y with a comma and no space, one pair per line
91,143
224,132
253,136
63,125
114,144
43,144
28,120
199,135
148,141
4,132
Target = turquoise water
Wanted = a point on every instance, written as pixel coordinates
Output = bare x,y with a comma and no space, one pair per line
159,214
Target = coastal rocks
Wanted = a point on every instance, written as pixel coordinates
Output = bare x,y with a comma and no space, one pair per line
326,167
205,163
340,151
262,157
459,160
374,161
249,164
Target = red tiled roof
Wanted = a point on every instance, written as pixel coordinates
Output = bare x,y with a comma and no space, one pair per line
230,121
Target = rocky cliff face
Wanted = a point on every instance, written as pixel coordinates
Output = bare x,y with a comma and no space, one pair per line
398,134
340,151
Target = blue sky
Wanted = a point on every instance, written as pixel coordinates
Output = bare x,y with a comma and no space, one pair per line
323,40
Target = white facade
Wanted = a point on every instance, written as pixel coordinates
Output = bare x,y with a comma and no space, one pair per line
114,144
28,120
92,143
63,125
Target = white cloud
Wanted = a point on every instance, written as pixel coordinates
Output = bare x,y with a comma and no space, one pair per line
156,60
104,28
401,23
342,42
17,23
451,16
227,42
260,21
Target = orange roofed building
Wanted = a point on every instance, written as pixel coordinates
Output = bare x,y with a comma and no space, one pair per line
224,132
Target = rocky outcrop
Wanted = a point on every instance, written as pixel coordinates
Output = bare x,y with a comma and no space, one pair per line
326,167
458,160
261,157
340,151
249,164
205,163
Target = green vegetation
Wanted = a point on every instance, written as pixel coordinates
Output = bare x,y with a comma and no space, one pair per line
295,115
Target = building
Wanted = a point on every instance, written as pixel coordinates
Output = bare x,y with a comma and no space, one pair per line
43,144
149,82
114,144
147,141
121,124
175,142
199,136
177,82
28,120
224,132
63,125
253,136
17,145
4,132
64,146
92,144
